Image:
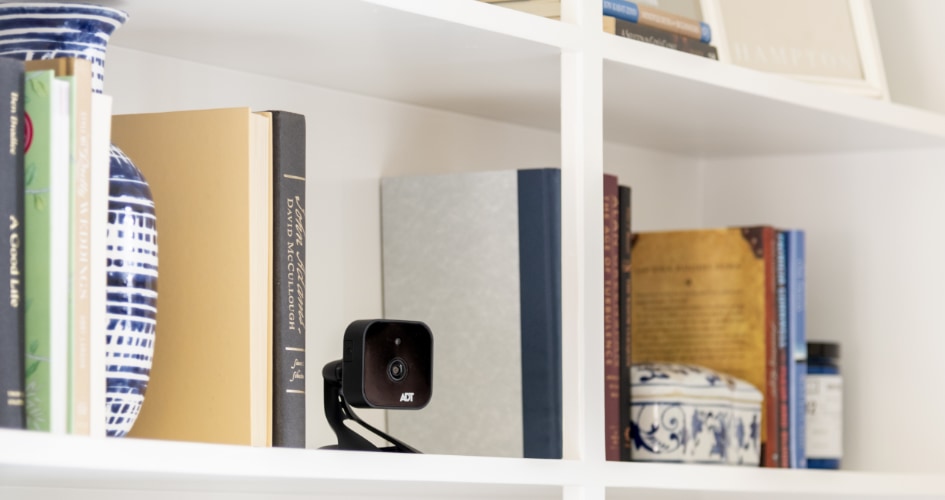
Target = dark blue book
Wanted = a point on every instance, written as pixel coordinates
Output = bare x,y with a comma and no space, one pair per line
477,257
12,251
625,245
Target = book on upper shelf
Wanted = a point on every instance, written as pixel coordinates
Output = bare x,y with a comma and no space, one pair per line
288,314
477,257
47,177
543,8
707,297
657,18
659,37
210,173
12,252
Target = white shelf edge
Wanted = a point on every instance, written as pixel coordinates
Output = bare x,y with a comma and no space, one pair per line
98,458
763,481
776,87
34,459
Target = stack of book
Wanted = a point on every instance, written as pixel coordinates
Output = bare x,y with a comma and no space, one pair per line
53,194
657,26
545,8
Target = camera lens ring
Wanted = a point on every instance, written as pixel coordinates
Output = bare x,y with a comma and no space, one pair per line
397,370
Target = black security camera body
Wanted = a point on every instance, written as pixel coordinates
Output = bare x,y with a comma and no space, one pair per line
388,364
385,364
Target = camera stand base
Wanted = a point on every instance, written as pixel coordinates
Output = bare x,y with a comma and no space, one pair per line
337,410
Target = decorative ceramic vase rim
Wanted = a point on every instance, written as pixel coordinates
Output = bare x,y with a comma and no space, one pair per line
71,7
48,30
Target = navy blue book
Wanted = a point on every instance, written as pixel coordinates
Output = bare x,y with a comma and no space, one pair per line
477,257
625,245
12,252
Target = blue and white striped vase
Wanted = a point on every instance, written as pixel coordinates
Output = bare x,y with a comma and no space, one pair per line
47,30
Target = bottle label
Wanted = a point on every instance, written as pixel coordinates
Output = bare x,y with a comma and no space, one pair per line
824,407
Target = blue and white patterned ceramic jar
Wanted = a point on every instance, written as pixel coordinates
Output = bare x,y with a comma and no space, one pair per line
691,414
47,30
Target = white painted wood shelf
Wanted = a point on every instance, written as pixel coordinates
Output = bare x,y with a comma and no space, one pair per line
469,61
473,58
38,460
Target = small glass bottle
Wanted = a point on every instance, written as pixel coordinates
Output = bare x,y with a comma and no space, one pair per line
824,406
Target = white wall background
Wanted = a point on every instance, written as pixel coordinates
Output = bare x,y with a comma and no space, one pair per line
911,40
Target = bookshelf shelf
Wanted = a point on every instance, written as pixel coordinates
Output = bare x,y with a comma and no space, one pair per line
416,86
39,461
477,59
687,95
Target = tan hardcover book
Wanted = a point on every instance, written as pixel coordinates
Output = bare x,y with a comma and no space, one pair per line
79,74
209,172
659,18
707,297
544,8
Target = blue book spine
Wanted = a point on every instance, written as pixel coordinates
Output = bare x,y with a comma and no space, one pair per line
784,359
797,347
624,9
539,207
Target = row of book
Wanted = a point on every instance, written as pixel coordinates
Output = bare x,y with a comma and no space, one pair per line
228,187
638,21
477,256
53,193
658,26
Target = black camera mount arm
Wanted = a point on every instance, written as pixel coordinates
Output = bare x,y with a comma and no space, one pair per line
337,410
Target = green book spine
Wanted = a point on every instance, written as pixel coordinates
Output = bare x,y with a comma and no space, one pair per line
46,196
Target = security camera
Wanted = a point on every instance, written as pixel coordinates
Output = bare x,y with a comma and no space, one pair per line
385,364
388,364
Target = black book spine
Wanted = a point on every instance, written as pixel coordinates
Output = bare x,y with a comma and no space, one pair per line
288,391
664,38
625,235
12,412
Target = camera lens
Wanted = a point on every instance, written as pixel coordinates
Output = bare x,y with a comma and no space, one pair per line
396,369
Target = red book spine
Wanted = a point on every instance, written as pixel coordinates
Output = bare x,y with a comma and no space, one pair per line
771,411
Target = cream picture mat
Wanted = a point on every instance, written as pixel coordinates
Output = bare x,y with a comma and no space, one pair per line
830,42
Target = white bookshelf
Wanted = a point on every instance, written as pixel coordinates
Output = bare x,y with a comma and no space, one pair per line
401,86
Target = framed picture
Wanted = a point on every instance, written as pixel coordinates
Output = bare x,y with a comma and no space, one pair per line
830,42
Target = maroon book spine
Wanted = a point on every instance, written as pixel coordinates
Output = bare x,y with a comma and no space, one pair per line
612,423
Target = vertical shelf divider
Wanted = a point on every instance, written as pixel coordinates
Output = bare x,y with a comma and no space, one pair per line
582,238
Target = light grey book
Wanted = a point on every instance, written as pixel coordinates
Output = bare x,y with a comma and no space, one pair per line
476,256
